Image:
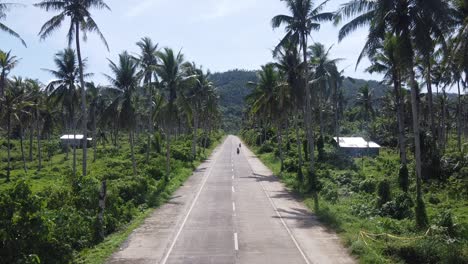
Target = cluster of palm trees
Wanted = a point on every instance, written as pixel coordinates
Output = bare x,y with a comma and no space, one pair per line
155,89
409,41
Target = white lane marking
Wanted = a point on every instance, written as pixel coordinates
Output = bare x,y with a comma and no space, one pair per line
233,206
232,169
284,224
281,218
236,243
233,189
233,177
191,207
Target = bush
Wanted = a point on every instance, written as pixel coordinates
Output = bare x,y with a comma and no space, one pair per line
330,193
403,178
383,192
267,147
399,208
367,185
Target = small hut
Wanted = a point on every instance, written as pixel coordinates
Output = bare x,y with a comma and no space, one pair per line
358,146
74,141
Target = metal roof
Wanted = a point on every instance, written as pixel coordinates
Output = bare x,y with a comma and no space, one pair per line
356,142
73,137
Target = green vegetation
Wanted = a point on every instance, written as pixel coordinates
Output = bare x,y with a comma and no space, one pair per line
50,209
150,127
360,198
409,203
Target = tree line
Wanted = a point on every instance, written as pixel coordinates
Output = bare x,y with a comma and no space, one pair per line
413,43
156,89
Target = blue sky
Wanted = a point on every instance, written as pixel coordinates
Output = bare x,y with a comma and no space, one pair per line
218,34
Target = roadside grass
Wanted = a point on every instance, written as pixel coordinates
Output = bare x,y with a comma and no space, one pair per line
348,206
65,207
101,252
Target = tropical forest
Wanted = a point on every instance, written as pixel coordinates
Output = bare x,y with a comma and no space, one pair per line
135,158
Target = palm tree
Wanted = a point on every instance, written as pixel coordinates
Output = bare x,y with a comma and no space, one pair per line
64,91
198,95
172,73
290,65
125,80
80,20
303,19
148,62
270,99
324,71
387,60
13,105
7,63
96,106
412,21
3,8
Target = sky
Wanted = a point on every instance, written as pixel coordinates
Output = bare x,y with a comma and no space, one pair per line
219,34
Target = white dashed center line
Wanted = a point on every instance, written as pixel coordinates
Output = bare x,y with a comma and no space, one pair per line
236,243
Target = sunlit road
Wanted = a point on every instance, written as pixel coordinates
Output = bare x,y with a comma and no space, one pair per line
232,211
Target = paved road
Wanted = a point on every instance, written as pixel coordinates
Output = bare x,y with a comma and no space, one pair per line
232,210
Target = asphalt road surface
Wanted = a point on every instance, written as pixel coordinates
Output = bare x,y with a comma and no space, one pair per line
232,210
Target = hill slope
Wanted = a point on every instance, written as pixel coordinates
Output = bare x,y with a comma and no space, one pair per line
232,88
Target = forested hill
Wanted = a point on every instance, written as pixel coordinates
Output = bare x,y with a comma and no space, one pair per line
232,88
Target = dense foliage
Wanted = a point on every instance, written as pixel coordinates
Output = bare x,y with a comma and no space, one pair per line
48,216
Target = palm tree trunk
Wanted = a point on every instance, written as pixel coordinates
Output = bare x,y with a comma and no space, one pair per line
94,135
22,149
74,149
9,145
31,135
299,151
132,152
309,127
431,104
459,116
83,99
168,155
39,148
400,118
195,135
421,216
280,146
444,120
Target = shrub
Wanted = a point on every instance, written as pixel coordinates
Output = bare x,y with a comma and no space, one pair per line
399,208
329,193
383,193
367,185
403,179
267,147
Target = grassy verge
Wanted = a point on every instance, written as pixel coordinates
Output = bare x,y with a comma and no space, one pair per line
348,204
50,215
105,249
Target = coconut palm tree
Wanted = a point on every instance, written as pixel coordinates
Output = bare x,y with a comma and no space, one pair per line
80,21
172,74
125,80
386,60
64,91
290,65
324,69
13,104
148,61
7,63
304,18
270,99
198,95
410,20
3,8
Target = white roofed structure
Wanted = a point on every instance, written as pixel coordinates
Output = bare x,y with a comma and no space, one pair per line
358,146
